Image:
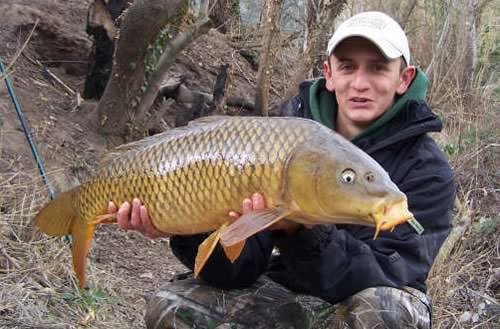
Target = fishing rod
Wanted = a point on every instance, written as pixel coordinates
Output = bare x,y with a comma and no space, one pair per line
27,132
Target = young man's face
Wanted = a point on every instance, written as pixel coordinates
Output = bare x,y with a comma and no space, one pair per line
364,81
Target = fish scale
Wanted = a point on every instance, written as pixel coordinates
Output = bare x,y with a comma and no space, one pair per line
201,181
189,179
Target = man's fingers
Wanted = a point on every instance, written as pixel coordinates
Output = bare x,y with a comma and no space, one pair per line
135,219
258,201
146,222
112,207
123,214
148,229
234,215
143,213
247,205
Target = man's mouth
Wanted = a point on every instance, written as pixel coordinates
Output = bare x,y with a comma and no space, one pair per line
360,100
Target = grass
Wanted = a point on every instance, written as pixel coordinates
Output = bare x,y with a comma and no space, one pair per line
465,282
38,289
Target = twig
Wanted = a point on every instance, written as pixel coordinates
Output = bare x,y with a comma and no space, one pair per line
52,75
494,279
9,258
19,51
482,323
485,297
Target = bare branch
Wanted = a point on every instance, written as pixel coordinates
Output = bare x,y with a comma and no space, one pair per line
168,57
266,59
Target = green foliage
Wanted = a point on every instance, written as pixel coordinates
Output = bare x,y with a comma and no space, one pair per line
487,225
88,299
155,51
450,149
151,60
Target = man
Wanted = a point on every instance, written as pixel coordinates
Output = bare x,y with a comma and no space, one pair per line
371,95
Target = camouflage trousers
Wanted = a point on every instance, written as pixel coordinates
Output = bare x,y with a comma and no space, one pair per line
191,304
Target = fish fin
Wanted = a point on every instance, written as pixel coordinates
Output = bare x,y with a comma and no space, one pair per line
251,223
156,139
377,231
59,217
234,251
82,233
207,119
205,249
104,219
56,217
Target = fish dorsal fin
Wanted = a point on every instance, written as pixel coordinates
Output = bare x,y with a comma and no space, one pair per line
251,223
162,137
208,119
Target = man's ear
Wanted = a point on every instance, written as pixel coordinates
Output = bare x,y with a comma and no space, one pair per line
327,72
405,79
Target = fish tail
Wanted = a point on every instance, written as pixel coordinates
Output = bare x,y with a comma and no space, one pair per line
60,217
56,217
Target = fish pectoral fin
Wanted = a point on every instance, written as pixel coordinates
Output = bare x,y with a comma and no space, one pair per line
251,223
206,248
234,251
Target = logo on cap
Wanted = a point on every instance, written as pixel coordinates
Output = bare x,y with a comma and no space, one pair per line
370,22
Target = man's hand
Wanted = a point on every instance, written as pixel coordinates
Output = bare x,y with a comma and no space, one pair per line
135,218
257,202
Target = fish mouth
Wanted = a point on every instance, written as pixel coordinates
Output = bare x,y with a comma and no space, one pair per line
388,216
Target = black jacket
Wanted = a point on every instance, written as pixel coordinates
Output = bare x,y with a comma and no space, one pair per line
336,261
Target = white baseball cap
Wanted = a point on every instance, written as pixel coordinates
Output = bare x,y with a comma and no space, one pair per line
379,28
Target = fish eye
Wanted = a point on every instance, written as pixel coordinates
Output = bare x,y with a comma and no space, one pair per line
348,176
370,177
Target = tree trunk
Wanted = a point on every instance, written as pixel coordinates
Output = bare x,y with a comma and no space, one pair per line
270,31
320,15
124,91
102,27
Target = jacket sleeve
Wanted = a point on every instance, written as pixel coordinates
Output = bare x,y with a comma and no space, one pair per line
219,271
334,262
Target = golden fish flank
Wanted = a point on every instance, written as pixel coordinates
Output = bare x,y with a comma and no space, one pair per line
189,179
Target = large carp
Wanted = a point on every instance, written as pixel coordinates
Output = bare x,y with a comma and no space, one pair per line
189,178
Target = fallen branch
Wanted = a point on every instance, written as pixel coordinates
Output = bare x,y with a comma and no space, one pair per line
50,74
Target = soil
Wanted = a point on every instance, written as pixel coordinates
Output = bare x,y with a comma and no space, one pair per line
59,124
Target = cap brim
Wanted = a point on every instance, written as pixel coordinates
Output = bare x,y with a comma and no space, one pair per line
385,47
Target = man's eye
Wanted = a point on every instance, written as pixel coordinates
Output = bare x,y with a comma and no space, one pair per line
378,67
346,67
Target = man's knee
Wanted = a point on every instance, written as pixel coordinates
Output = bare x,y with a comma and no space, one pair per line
184,304
386,307
191,304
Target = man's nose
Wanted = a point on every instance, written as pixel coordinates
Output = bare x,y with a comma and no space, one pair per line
360,81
